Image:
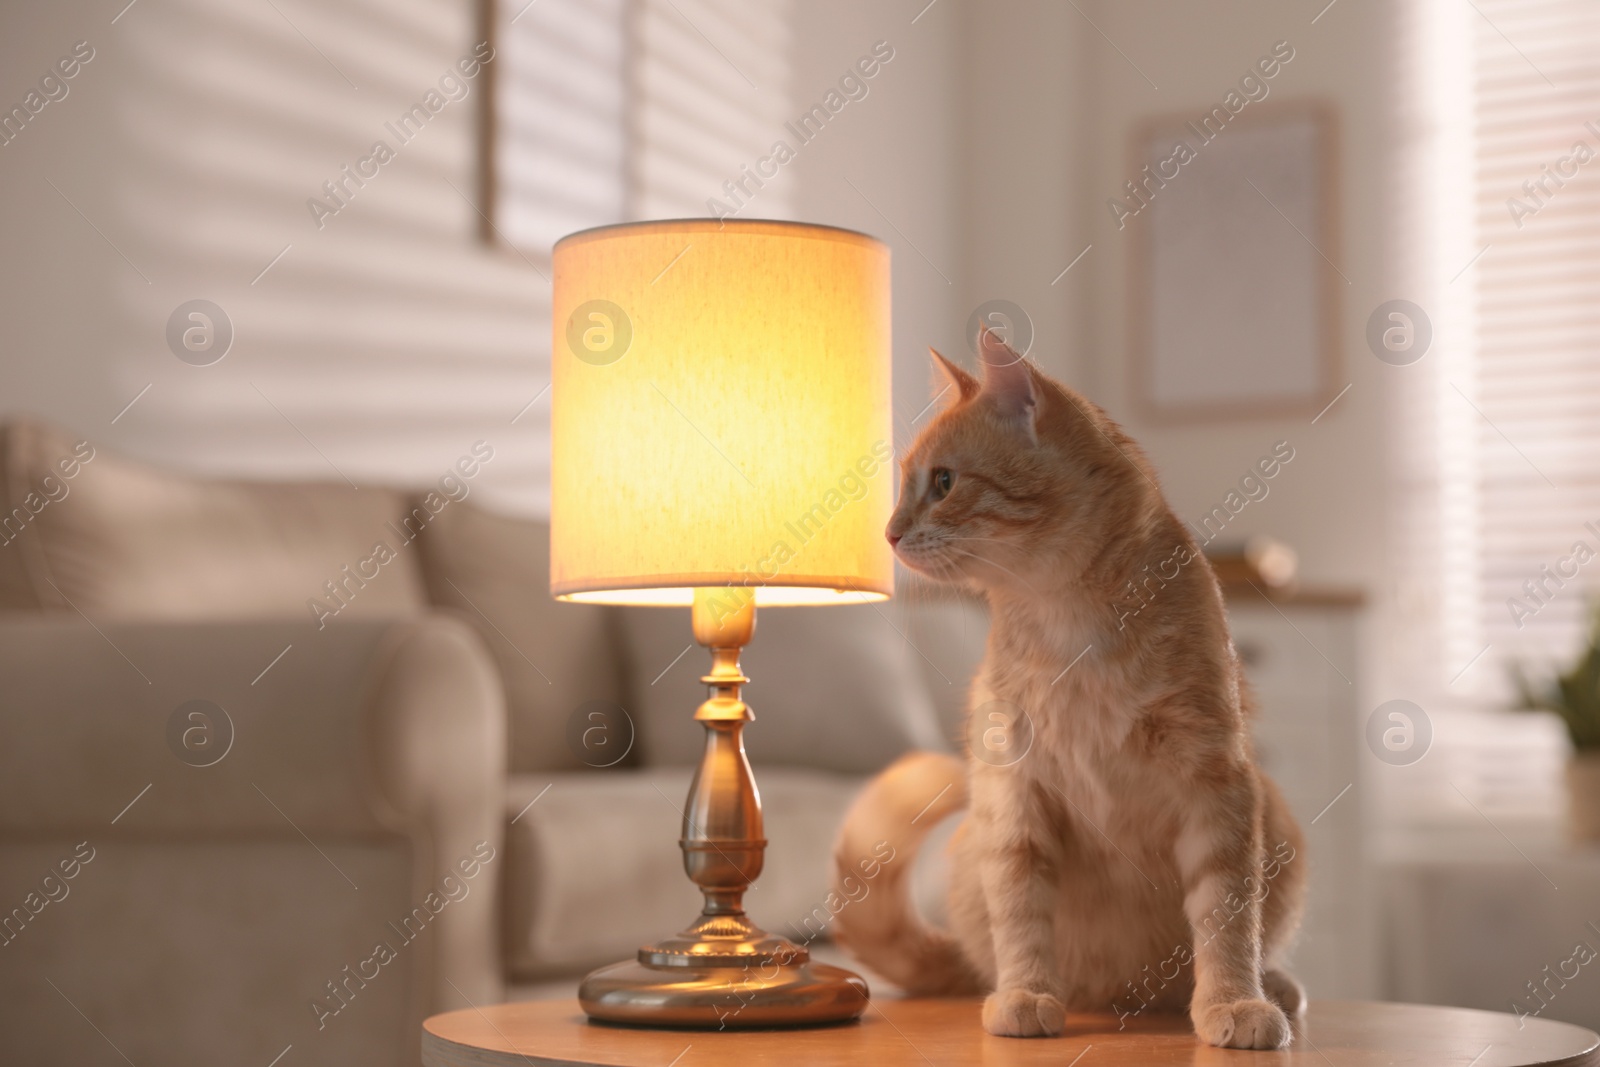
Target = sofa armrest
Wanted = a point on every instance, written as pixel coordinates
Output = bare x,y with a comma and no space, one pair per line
370,754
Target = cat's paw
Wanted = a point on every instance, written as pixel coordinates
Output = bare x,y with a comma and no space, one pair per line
1242,1024
1021,1013
1284,991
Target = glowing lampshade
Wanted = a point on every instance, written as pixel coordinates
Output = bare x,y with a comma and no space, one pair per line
720,413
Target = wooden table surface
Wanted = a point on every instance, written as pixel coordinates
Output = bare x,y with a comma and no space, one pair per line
947,1033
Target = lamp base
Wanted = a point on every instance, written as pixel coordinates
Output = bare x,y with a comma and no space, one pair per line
723,997
723,972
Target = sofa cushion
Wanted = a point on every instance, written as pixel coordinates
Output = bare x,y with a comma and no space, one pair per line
555,658
593,869
832,688
82,528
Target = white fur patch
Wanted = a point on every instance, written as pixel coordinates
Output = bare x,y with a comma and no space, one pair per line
1193,847
1203,899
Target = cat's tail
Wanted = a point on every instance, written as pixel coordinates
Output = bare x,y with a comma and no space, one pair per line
872,863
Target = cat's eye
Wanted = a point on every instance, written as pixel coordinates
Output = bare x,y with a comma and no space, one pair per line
940,484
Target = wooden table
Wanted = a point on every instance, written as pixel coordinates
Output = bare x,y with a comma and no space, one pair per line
947,1033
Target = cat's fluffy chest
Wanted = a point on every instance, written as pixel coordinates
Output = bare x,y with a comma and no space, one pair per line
1086,754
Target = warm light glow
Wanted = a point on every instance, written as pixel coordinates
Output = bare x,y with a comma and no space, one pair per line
720,413
770,596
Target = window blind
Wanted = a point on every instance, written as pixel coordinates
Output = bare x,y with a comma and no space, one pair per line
1535,444
1506,397
613,110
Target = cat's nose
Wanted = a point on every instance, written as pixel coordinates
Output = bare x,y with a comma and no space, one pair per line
894,538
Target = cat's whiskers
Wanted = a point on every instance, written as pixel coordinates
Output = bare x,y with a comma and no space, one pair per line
947,571
969,537
943,570
990,562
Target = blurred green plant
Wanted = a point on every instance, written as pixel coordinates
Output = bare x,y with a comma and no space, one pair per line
1575,695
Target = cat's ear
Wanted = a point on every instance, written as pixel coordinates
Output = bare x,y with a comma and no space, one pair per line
1008,381
966,385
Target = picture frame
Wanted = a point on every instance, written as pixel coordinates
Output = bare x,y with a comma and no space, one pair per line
1235,286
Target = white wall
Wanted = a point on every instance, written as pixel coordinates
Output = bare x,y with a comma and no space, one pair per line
1023,127
962,158
888,164
390,339
1329,503
55,271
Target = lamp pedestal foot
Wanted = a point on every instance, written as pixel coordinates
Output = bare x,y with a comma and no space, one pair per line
716,998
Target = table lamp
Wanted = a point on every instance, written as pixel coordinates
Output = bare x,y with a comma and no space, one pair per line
721,396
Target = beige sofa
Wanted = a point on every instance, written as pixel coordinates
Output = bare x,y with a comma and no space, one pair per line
384,803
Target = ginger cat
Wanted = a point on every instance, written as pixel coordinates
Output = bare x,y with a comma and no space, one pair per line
1134,857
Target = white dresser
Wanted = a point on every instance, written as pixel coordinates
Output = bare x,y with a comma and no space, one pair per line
1301,655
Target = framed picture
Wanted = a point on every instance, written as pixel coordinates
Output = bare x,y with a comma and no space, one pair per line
1235,282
